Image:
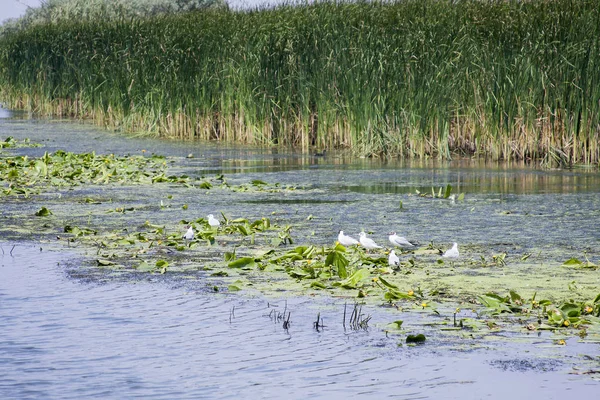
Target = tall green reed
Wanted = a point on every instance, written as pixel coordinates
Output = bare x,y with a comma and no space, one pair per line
505,80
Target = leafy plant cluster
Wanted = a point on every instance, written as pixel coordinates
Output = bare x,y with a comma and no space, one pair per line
330,267
321,267
25,176
254,245
117,248
566,314
12,143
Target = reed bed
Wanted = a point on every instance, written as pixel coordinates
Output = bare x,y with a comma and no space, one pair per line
416,78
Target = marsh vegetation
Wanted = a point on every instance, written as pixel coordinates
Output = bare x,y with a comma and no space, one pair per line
414,79
502,80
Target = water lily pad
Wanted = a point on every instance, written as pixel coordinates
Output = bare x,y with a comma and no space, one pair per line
145,267
43,212
397,324
354,279
244,262
420,338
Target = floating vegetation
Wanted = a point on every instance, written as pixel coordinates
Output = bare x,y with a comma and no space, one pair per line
561,315
263,253
43,212
415,339
576,263
11,143
442,193
24,176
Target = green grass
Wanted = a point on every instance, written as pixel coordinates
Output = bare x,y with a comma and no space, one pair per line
505,80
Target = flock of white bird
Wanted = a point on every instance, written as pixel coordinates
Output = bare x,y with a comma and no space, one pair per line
348,241
394,239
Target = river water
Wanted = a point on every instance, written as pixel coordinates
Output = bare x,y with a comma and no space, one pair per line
67,337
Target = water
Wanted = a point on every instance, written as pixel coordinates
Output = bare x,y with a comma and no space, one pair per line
68,331
62,338
337,172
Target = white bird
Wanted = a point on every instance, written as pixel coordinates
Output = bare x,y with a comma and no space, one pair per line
452,253
393,258
399,240
212,221
346,240
189,235
368,243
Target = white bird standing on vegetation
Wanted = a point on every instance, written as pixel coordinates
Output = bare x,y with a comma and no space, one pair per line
368,243
212,221
453,252
393,258
189,235
399,240
346,240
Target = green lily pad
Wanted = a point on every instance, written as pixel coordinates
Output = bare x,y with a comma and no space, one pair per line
420,338
243,262
43,212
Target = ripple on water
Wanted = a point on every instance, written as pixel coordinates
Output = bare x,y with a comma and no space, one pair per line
68,339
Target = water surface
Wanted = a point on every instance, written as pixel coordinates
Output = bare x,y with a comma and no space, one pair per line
68,333
66,339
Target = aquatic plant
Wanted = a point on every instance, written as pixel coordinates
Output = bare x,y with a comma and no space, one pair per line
442,193
55,11
577,263
11,143
284,316
43,212
557,314
22,175
357,320
505,80
497,304
319,324
415,339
